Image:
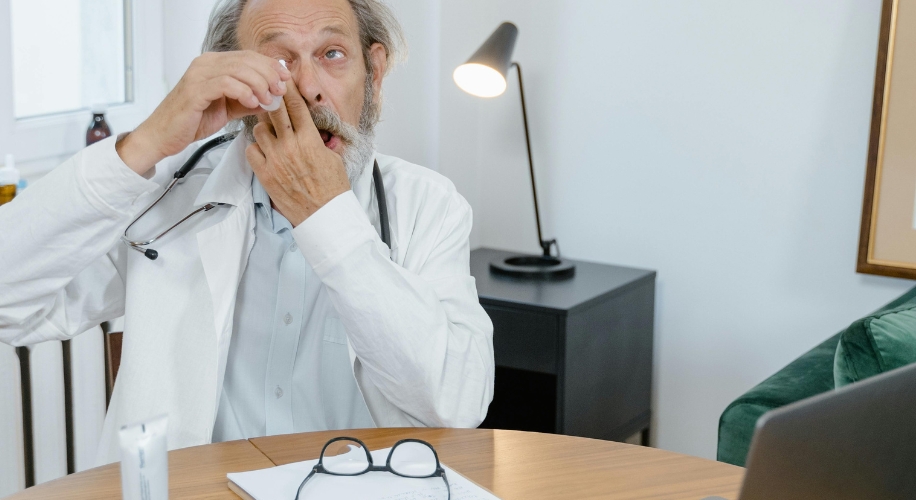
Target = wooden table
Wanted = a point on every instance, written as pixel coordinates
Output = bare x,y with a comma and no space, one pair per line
509,463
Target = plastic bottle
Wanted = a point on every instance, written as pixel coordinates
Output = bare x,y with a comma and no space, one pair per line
9,180
98,129
277,99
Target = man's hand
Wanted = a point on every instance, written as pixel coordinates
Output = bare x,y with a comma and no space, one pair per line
218,87
295,167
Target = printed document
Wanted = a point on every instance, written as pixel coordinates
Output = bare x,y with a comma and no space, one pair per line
281,483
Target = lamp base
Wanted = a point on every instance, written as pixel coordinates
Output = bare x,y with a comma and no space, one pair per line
534,267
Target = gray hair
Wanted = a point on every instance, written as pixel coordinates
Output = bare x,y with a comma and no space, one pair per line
377,24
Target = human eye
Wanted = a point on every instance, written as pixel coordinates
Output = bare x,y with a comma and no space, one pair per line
333,54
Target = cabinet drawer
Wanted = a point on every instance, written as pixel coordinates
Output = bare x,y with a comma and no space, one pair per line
524,340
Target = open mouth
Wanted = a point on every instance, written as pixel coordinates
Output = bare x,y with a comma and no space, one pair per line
330,140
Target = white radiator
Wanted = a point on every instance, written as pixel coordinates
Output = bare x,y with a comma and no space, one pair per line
48,419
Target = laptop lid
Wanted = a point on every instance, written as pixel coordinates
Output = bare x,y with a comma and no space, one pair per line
853,443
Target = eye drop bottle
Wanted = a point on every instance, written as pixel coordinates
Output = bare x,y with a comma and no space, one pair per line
277,99
98,128
9,179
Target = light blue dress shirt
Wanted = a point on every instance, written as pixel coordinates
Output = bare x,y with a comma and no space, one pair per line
288,368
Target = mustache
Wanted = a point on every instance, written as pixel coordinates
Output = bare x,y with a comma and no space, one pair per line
327,120
323,117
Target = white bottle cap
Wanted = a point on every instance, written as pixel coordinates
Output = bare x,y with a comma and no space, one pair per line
275,104
99,108
8,174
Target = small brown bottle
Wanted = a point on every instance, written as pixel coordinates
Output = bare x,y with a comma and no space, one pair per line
98,129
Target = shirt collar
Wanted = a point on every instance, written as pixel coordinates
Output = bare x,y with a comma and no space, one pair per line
258,193
262,205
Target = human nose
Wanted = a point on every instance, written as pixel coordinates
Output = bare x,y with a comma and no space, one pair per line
309,81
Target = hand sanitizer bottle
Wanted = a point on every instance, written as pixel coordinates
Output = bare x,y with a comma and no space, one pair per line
9,179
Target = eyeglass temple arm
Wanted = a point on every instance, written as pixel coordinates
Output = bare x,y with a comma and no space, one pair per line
448,487
299,491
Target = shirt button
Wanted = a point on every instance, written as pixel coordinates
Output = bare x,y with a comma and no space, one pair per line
279,392
293,247
288,318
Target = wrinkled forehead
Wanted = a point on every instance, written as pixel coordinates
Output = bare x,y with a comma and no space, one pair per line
271,21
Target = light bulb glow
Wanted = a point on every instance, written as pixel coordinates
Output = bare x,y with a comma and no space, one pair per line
479,80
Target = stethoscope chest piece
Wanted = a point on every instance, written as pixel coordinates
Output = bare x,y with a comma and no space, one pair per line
142,245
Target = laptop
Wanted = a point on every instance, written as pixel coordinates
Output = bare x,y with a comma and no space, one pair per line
858,442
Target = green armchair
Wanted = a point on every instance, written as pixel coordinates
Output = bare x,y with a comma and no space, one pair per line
809,375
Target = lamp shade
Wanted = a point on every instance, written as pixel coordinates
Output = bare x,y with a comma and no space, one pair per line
484,75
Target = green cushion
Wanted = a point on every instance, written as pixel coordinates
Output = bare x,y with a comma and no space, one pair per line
811,374
876,344
808,375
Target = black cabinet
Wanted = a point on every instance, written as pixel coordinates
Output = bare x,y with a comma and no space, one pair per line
573,356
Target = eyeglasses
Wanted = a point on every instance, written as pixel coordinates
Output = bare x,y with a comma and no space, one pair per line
346,456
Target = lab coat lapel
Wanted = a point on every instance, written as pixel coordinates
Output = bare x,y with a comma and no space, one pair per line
364,190
224,247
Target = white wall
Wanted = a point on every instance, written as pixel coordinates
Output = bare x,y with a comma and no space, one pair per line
410,121
720,143
184,24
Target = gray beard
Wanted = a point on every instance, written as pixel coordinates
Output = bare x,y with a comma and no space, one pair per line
359,146
358,143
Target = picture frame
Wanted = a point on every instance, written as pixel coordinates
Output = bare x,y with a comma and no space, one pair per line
887,238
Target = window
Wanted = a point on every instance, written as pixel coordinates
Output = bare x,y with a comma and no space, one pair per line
58,58
83,64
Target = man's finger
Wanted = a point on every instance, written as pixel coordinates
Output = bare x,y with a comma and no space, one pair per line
226,86
263,118
264,135
280,119
255,157
257,70
297,110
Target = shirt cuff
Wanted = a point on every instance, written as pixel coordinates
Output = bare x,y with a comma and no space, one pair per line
333,232
111,185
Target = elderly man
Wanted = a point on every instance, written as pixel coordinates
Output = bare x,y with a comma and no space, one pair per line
281,310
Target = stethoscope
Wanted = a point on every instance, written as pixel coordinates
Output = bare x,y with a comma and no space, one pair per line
142,246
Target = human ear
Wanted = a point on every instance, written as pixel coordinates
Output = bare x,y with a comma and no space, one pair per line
378,58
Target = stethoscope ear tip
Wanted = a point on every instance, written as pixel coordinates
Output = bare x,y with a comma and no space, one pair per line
151,254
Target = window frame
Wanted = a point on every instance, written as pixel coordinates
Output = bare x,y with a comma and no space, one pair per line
41,143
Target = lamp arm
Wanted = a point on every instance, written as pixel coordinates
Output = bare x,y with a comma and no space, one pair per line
545,245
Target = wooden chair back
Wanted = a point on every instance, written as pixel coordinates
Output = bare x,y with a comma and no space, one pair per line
112,362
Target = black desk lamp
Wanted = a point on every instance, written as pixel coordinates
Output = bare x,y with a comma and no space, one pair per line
484,75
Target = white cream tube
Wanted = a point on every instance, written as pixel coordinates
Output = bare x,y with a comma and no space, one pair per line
144,460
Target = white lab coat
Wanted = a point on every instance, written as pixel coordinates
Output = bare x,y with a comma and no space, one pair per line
420,344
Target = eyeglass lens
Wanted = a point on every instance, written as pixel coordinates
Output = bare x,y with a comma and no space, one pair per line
345,457
413,459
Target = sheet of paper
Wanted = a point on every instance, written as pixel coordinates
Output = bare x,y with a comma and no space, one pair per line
281,483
